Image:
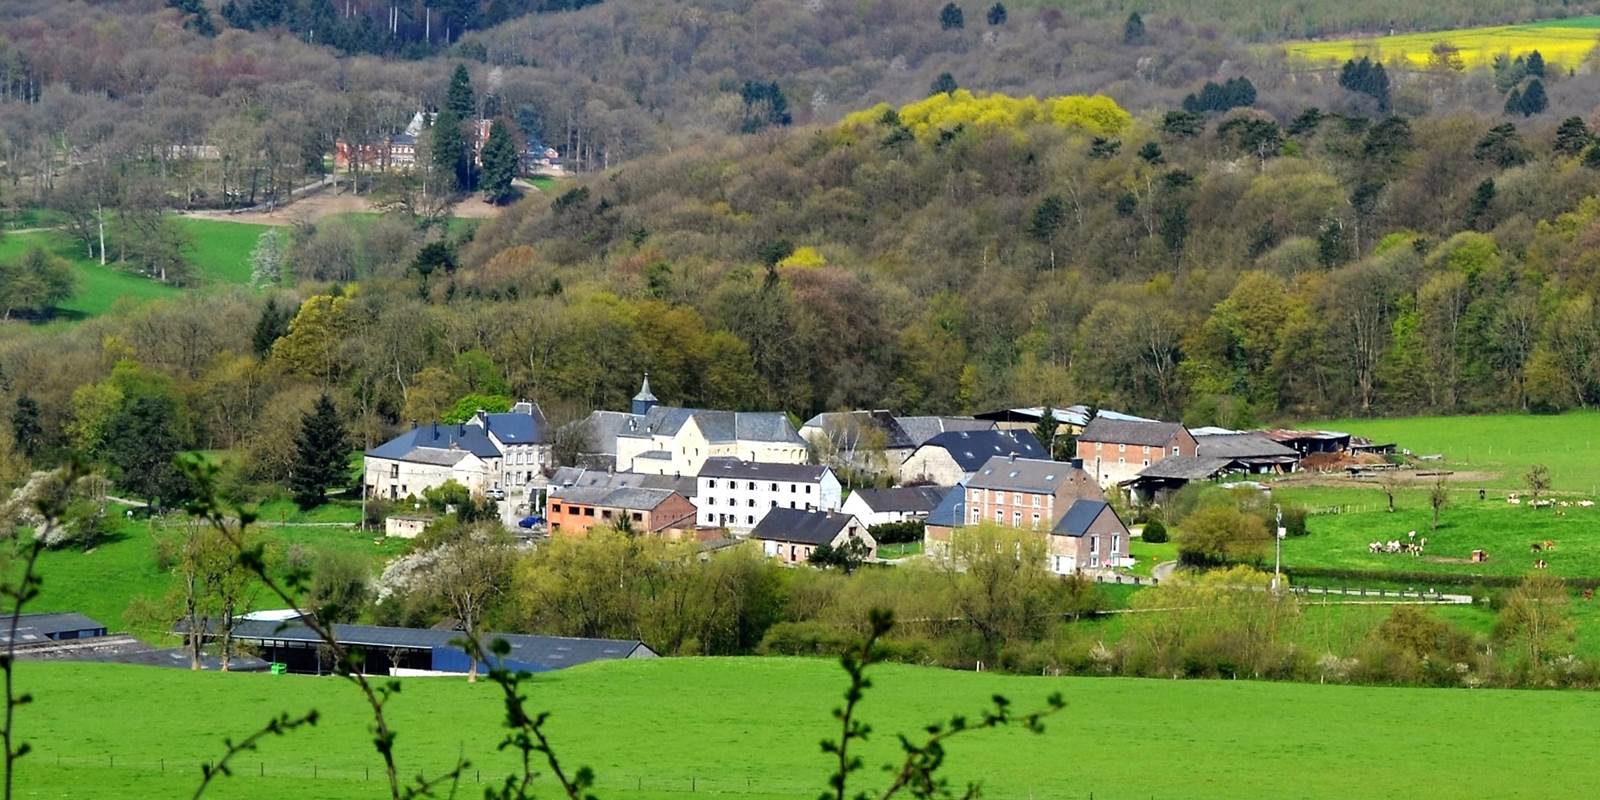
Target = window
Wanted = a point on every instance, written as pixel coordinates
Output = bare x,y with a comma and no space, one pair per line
1116,543
976,516
752,486
774,504
1122,448
808,488
1016,519
711,484
1122,460
1036,519
1174,449
588,512
774,487
1093,542
1147,462
555,508
1147,449
748,520
637,517
394,471
794,487
1036,503
793,504
751,502
999,516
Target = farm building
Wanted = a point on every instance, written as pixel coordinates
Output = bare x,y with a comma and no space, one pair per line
1115,450
791,535
900,504
41,628
422,651
952,458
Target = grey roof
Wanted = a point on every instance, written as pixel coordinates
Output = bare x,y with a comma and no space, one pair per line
413,444
631,498
1242,445
724,467
798,525
952,511
1123,431
1077,415
37,628
894,436
1037,475
1189,468
604,427
716,426
645,395
920,429
1079,517
971,449
545,651
907,499
577,476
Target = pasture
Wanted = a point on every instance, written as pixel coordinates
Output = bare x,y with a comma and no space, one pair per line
1567,42
219,251
1502,446
105,580
748,728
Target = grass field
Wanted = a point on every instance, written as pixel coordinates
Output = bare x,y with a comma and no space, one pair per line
1503,444
648,730
220,252
1565,41
102,582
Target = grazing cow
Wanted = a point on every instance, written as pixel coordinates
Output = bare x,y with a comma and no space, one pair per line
1585,503
1480,556
1516,501
1588,594
1549,544
1373,547
1540,564
1535,547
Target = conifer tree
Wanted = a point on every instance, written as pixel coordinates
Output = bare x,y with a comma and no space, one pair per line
322,452
460,98
1133,29
499,165
272,325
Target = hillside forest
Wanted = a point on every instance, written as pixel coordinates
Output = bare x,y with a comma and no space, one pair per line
1179,227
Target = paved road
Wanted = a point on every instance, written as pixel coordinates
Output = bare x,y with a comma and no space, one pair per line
1164,570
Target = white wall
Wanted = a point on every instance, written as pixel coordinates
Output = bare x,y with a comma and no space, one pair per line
934,465
390,478
732,503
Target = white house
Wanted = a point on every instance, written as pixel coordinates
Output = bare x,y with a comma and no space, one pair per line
488,454
900,504
737,495
791,535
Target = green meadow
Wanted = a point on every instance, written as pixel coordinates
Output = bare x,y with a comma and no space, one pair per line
219,251
749,728
1502,444
103,581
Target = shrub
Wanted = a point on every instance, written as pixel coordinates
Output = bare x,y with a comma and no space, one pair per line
1294,521
898,532
1154,532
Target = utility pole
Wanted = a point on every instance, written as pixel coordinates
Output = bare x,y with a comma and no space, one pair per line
1277,558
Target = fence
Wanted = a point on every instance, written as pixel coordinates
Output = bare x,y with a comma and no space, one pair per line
186,772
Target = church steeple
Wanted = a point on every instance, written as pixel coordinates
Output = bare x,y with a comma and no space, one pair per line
644,400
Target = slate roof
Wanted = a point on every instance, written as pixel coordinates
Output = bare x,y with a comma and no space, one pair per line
547,651
952,511
1243,445
920,429
716,426
413,444
1036,475
801,526
971,449
1079,517
724,467
604,427
523,424
35,628
1135,432
577,476
907,499
1189,468
630,498
895,437
1077,415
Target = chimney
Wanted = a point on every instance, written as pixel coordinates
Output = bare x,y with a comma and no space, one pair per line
1013,458
461,428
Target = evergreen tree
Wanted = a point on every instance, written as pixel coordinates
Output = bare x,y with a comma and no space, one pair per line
322,453
1591,157
1233,93
499,165
271,327
1501,146
1513,103
944,84
1045,430
1482,199
1534,100
1535,64
1366,77
950,17
459,99
448,150
1151,153
997,14
141,442
196,16
1572,136
25,428
1133,29
764,106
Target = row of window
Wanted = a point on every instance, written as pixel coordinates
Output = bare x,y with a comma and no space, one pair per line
1122,448
1017,498
711,483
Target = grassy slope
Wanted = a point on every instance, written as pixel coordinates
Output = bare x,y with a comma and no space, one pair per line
649,724
101,582
1506,444
1567,42
220,252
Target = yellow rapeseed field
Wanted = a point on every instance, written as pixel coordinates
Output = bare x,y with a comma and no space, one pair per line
1566,42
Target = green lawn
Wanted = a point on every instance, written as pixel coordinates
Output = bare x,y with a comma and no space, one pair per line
1505,444
748,728
1146,555
102,582
220,252
900,550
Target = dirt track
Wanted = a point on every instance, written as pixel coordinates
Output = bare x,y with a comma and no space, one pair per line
325,204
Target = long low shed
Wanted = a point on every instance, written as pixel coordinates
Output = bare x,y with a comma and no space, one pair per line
385,650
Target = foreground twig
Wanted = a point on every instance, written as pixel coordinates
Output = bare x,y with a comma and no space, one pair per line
202,476
526,734
279,726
